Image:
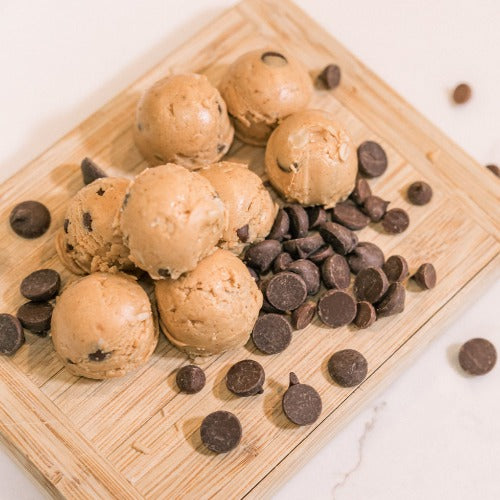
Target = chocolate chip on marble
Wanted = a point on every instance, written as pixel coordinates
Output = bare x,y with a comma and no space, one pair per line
330,76
419,193
41,285
261,255
321,254
349,215
35,316
11,334
190,379
370,284
29,219
87,221
396,268
317,216
339,237
395,221
221,431
272,333
281,262
335,272
348,367
361,191
281,226
425,276
393,302
243,233
365,315
301,403
477,356
91,171
372,160
245,378
99,355
303,315
299,221
375,207
366,254
336,308
286,291
309,273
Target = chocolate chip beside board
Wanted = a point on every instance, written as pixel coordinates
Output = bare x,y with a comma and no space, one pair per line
372,160
462,93
339,237
286,291
370,284
348,367
375,207
335,272
309,272
281,226
272,333
303,315
41,285
395,268
349,215
419,193
365,255
365,315
221,431
91,171
11,334
393,302
425,276
29,219
35,316
299,221
245,378
301,402
336,308
330,76
261,255
361,191
477,356
190,379
395,221
495,169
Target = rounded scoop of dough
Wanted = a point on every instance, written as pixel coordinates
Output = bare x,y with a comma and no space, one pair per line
90,239
311,159
260,88
103,326
249,205
171,219
182,119
211,309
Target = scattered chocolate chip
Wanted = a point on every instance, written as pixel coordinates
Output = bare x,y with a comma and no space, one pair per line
477,356
494,169
365,315
35,316
372,160
29,219
87,221
339,237
425,276
395,268
100,192
336,308
164,273
365,255
321,254
281,262
91,171
286,291
272,58
375,207
11,334
462,93
221,431
419,193
330,76
309,272
261,255
303,247
190,379
317,216
99,355
220,148
393,302
395,221
243,233
272,333
281,226
246,378
303,315
252,272
335,272
41,285
361,191
299,221
348,367
301,403
66,225
370,284
349,215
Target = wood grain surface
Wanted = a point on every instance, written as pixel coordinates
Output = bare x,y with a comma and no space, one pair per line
136,437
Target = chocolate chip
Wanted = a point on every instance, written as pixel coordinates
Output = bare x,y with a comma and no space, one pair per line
220,148
336,308
361,191
370,284
365,315
125,200
35,316
281,262
330,76
339,237
419,193
375,207
272,333
348,367
100,192
164,273
261,255
303,247
41,285
11,334
372,160
316,215
396,268
272,58
321,254
301,403
99,355
365,255
299,221
29,219
91,171
69,248
349,215
494,169
477,356
243,233
87,221
221,431
190,379
335,272
253,273
286,291
393,302
245,378
303,315
66,225
268,308
462,93
426,276
395,221
309,272
281,226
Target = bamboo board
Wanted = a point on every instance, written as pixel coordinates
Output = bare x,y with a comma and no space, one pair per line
136,437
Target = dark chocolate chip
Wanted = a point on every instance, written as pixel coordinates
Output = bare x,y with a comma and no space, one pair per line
246,378
272,333
299,221
268,308
309,273
393,302
261,255
317,216
252,272
125,200
395,221
477,356
361,191
69,247
321,254
365,255
335,272
100,192
87,221
494,169
348,367
243,233
219,108
375,207
221,431
220,148
272,58
66,225
190,379
330,76
281,262
372,160
396,268
301,403
91,171
41,285
336,308
29,219
303,315
370,284
164,273
99,355
286,291
365,315
425,276
462,93
281,226
303,247
349,215
11,334
35,316
419,193
339,237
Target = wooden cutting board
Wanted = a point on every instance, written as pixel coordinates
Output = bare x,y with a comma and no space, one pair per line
136,437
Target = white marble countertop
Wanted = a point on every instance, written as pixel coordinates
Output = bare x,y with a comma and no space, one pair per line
434,434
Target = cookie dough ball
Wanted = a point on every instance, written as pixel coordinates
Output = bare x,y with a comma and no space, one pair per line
262,87
311,160
249,205
90,239
211,309
171,219
182,119
103,326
